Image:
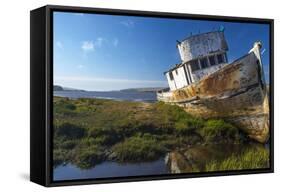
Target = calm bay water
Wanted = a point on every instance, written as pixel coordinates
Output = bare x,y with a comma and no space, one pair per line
116,95
109,169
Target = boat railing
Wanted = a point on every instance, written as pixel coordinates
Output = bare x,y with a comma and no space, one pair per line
163,90
164,94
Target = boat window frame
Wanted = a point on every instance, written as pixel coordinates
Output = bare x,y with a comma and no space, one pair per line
192,63
205,59
222,57
214,57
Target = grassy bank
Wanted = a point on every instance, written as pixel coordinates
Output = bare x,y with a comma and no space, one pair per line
255,158
88,131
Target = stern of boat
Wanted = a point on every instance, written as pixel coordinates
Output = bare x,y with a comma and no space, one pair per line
164,95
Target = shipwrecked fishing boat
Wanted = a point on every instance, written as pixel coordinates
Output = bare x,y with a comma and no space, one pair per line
206,85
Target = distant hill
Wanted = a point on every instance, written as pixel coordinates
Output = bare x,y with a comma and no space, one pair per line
57,88
146,89
60,88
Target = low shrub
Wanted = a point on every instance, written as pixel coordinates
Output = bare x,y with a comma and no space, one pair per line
64,107
219,130
68,144
188,125
88,156
104,136
137,149
69,130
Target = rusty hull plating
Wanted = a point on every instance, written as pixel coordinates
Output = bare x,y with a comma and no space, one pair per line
237,93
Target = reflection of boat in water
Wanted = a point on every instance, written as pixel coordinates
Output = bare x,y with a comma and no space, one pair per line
205,85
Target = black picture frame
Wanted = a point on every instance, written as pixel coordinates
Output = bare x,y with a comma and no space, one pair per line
41,89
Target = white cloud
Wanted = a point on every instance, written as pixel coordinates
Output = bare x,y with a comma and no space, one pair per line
59,44
87,46
115,42
128,23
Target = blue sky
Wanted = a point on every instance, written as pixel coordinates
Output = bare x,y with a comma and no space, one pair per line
103,52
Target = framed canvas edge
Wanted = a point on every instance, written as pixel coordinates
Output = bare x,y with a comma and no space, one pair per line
49,91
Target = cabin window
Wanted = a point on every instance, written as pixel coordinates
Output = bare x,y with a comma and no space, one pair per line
171,76
204,63
220,58
212,60
194,65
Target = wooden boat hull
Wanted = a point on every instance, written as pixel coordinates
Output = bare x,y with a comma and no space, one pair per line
236,93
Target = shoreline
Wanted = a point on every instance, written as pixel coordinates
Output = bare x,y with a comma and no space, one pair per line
92,95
